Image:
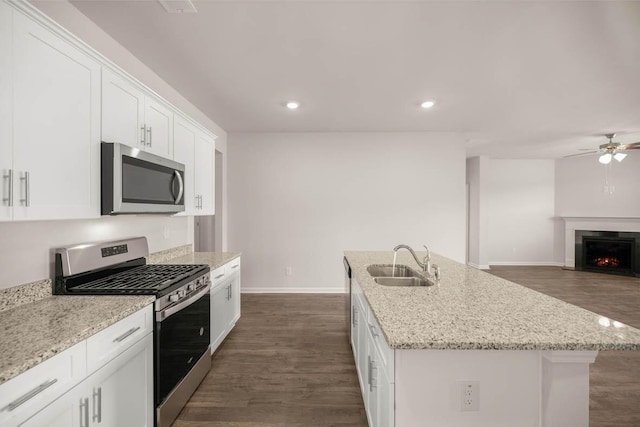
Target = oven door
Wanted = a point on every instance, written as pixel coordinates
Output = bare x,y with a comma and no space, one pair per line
135,181
181,338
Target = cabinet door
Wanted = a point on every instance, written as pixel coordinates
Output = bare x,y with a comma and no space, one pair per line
184,141
69,410
122,111
235,300
219,313
121,392
385,398
354,328
158,119
56,116
6,120
205,161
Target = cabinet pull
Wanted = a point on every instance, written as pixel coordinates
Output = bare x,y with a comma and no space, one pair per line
97,395
150,136
126,334
369,371
218,276
372,378
29,395
9,199
143,141
235,266
354,312
26,200
84,412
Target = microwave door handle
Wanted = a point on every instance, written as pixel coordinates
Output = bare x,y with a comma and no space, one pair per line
181,187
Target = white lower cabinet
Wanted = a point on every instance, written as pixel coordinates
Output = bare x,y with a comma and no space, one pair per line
225,301
70,390
374,362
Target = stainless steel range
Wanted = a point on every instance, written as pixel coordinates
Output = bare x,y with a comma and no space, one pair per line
182,309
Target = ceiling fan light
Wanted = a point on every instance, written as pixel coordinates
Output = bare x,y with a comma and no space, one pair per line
619,156
605,159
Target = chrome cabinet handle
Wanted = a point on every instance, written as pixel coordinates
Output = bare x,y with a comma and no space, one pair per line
369,371
354,312
218,276
84,412
143,141
126,334
181,191
26,200
9,199
97,395
235,266
372,379
150,136
29,395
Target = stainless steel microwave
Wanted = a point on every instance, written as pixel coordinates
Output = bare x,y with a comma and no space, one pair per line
134,181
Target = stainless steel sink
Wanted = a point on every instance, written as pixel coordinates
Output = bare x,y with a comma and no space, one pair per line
387,270
403,281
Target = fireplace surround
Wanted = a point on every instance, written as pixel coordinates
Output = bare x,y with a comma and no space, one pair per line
610,252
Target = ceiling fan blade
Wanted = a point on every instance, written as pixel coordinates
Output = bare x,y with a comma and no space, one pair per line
582,154
634,146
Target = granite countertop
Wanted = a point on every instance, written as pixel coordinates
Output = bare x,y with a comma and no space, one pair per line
34,332
36,325
214,259
472,309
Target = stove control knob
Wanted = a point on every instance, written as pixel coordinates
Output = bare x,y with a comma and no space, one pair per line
181,293
174,297
190,287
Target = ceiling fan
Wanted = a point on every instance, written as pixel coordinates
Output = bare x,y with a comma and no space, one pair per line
611,150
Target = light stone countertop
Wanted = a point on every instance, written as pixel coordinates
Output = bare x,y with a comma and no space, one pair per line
34,332
472,309
214,259
36,326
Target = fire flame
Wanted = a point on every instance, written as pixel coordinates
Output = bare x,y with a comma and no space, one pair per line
607,262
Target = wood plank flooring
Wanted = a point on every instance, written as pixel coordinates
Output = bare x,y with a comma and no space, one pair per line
288,364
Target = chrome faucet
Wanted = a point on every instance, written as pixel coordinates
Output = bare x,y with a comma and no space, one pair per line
425,264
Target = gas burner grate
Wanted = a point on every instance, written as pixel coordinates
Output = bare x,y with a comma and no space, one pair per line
146,279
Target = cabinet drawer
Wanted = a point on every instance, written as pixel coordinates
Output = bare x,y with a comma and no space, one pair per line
218,275
31,391
232,266
110,342
385,352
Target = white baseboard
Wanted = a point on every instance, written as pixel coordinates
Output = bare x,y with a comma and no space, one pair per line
292,290
479,267
527,263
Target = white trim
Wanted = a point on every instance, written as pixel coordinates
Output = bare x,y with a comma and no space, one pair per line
261,290
479,267
528,263
570,356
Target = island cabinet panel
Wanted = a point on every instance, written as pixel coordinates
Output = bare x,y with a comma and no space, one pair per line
225,301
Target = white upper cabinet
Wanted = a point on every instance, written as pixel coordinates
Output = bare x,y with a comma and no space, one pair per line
6,109
205,164
131,117
56,126
195,149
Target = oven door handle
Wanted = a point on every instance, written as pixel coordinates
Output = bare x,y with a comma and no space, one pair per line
162,315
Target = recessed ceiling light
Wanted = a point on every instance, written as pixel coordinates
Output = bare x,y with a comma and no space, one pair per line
427,104
178,6
292,105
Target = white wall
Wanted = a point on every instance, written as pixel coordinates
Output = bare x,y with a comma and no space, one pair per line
579,187
521,222
477,211
299,200
25,246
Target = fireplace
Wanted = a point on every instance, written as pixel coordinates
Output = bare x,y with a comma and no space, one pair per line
608,252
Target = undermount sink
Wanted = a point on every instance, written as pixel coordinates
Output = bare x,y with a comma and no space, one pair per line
387,270
402,275
403,281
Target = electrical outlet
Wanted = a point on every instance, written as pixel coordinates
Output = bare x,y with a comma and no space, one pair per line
288,271
469,395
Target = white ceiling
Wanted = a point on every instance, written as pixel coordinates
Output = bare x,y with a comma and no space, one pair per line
519,79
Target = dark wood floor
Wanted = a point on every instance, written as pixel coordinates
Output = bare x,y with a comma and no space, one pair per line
288,363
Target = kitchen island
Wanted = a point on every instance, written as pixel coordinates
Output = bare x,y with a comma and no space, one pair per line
522,356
